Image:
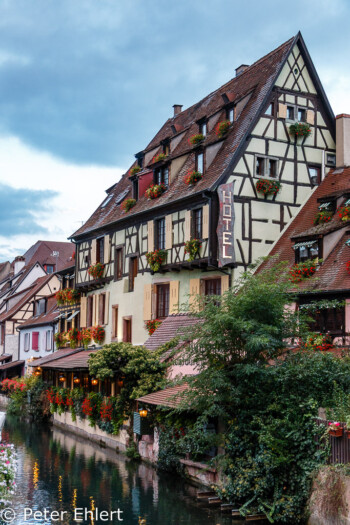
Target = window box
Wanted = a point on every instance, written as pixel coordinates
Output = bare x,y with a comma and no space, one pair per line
156,259
335,430
303,270
196,139
268,187
299,129
192,248
322,217
155,191
159,158
96,270
222,128
128,204
192,177
344,213
67,296
134,171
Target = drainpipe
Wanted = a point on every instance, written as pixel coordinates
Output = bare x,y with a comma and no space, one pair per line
323,165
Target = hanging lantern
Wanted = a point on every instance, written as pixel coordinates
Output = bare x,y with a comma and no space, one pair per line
120,383
76,380
62,378
143,412
38,371
94,381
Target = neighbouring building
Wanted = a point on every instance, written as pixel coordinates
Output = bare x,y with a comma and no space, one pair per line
235,140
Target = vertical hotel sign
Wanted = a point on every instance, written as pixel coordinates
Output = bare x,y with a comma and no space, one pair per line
225,225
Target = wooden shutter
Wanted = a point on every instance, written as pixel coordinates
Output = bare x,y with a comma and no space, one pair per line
225,283
147,302
106,319
187,231
282,110
101,308
83,312
194,292
310,116
93,258
168,232
35,340
107,249
150,234
95,310
205,228
174,297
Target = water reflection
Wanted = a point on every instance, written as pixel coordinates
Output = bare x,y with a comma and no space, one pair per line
61,473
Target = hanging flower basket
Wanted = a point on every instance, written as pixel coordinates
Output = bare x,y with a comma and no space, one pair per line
98,334
335,430
155,191
322,217
222,128
299,129
159,158
128,204
192,177
192,248
344,213
267,186
155,259
303,270
152,325
134,170
196,139
96,270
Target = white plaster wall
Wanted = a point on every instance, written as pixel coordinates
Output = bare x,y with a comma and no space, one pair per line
42,342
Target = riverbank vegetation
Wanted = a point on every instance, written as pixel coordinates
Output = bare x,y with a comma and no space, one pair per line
7,473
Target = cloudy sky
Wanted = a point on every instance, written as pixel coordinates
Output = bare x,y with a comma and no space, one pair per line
85,84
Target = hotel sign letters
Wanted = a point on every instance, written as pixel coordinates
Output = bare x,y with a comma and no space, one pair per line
225,225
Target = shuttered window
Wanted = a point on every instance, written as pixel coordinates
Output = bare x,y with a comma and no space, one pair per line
35,340
163,294
160,234
197,223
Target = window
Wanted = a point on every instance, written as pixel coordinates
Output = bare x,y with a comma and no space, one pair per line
301,115
135,189
101,308
331,159
163,300
197,223
230,114
203,128
50,268
26,342
306,250
133,268
290,113
212,287
166,147
315,174
127,330
269,109
48,339
266,167
200,162
90,302
328,205
100,250
35,341
160,234
329,321
114,322
161,175
118,272
40,307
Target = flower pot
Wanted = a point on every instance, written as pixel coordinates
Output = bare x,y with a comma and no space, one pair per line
347,433
338,432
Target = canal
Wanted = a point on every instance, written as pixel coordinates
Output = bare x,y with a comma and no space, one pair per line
60,472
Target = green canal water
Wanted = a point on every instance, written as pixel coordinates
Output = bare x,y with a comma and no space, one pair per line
60,472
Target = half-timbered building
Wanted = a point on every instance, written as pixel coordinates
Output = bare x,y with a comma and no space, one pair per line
237,139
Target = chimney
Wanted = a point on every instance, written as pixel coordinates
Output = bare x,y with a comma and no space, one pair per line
18,264
240,69
342,130
177,109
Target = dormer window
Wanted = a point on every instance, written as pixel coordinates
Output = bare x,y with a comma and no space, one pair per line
328,205
202,128
230,114
200,162
135,189
166,147
40,307
161,175
306,250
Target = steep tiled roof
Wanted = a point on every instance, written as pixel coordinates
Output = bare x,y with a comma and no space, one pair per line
76,361
42,252
332,274
255,81
32,290
171,327
169,397
48,317
58,354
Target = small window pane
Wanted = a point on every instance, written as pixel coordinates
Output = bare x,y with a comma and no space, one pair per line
259,170
303,253
231,114
272,168
313,251
330,159
269,109
160,245
197,224
200,162
203,128
290,112
315,175
301,115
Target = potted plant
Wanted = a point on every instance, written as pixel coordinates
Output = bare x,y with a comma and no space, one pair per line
98,334
134,171
334,429
96,270
344,213
73,336
323,217
303,270
318,342
155,191
192,248
267,186
60,297
152,325
155,259
196,139
85,336
299,129
192,177
159,158
222,128
127,204
60,339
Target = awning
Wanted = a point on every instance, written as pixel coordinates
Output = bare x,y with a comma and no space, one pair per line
324,205
304,243
73,315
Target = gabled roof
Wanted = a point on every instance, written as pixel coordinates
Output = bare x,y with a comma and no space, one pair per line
255,83
172,326
332,274
58,354
47,318
77,361
42,252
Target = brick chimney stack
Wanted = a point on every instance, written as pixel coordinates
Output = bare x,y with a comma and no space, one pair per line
177,109
342,128
240,69
19,263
